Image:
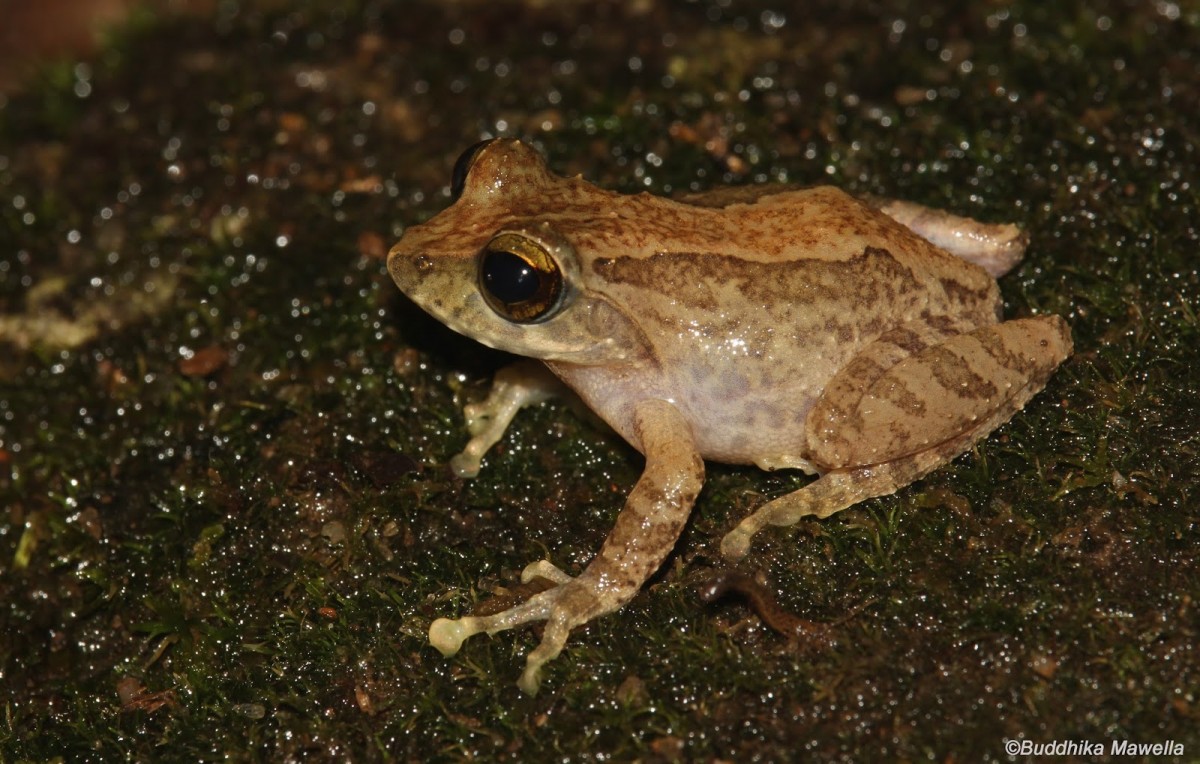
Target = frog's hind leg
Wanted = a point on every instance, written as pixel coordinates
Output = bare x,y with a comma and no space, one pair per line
995,247
878,428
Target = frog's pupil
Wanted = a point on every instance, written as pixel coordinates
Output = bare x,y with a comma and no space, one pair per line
509,278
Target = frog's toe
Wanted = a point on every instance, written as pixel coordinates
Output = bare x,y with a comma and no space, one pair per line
468,463
531,678
558,627
544,569
736,543
447,635
570,603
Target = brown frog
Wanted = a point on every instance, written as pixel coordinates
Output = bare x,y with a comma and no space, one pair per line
785,328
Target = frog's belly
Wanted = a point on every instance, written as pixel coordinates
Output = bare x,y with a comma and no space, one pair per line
740,414
742,425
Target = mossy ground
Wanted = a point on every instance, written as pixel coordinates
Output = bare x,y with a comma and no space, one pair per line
227,520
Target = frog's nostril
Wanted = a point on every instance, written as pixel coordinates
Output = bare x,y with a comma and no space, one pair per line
423,264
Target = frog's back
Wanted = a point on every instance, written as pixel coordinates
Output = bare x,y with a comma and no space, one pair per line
805,224
795,259
752,309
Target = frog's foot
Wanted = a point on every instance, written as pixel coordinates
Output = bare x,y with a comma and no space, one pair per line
995,247
525,383
641,538
571,602
876,432
837,490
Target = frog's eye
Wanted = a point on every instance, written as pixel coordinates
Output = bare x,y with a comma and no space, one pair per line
519,279
462,166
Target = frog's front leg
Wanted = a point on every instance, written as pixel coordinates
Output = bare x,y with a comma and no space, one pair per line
524,383
883,423
644,533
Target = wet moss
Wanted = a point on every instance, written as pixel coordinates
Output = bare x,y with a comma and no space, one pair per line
228,520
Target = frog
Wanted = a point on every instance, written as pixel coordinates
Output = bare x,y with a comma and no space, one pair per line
856,339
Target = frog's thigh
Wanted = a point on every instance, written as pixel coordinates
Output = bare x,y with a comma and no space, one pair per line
916,416
935,394
834,424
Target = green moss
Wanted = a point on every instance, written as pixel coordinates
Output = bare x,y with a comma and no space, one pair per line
227,516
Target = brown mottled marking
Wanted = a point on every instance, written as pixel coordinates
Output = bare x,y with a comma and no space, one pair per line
962,374
865,279
730,195
963,294
1005,354
835,424
956,374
